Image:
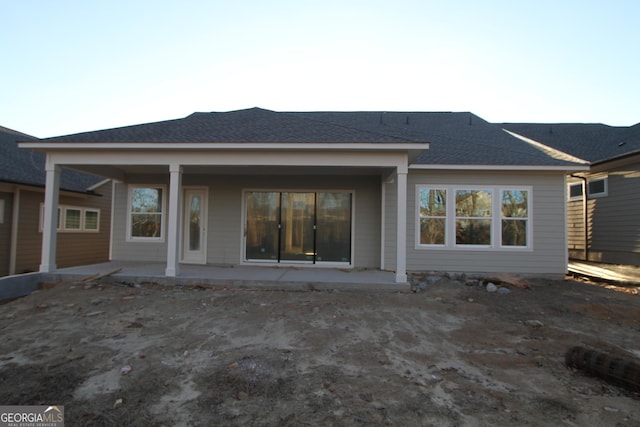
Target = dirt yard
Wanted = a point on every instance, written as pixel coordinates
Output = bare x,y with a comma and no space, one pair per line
451,354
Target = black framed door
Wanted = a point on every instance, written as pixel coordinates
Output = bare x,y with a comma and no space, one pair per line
298,227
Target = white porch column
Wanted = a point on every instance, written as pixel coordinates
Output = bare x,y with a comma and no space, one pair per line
50,220
401,231
173,229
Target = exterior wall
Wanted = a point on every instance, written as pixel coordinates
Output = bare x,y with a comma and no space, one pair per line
5,232
73,248
225,214
548,255
614,224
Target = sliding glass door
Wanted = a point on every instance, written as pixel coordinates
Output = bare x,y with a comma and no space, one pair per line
306,227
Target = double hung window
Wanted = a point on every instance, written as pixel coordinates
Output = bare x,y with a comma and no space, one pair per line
472,217
146,213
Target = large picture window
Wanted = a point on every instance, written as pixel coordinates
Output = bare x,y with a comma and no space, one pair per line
146,213
468,217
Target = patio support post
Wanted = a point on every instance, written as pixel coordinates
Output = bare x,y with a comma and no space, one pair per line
50,220
173,230
401,222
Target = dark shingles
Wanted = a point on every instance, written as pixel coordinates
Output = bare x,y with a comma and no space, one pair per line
251,125
21,166
589,141
456,138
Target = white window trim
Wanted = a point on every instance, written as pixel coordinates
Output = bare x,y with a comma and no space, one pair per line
591,195
62,214
84,218
496,218
163,214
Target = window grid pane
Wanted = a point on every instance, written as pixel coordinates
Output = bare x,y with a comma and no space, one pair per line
473,217
72,219
433,216
515,212
91,220
146,212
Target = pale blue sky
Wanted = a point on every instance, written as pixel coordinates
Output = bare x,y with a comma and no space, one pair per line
73,66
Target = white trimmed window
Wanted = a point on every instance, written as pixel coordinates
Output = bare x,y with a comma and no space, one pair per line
470,217
596,187
146,208
74,219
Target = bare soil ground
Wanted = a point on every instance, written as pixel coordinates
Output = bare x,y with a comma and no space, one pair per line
451,354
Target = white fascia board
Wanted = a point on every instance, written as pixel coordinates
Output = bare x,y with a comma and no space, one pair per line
45,146
502,167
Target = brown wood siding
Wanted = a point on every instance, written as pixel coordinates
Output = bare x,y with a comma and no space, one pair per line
72,248
5,233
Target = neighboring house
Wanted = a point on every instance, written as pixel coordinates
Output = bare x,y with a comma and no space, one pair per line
392,191
84,211
611,232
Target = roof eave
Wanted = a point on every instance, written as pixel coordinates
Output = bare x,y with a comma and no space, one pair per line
259,146
549,168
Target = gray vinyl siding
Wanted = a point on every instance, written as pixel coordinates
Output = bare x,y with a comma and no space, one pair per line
549,254
614,220
136,251
225,214
5,233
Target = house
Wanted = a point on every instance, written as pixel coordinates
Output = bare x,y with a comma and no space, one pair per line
607,195
374,190
83,220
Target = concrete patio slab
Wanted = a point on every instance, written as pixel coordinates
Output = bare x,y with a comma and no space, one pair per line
274,277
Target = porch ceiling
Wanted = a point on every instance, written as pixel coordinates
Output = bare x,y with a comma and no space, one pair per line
121,171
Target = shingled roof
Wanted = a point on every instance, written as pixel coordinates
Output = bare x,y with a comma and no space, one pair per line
20,166
595,143
456,138
252,125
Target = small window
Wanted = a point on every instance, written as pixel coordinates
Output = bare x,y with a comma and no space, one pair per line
597,187
575,191
72,218
91,219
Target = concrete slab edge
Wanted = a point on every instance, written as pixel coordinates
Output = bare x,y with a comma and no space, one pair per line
19,285
125,280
